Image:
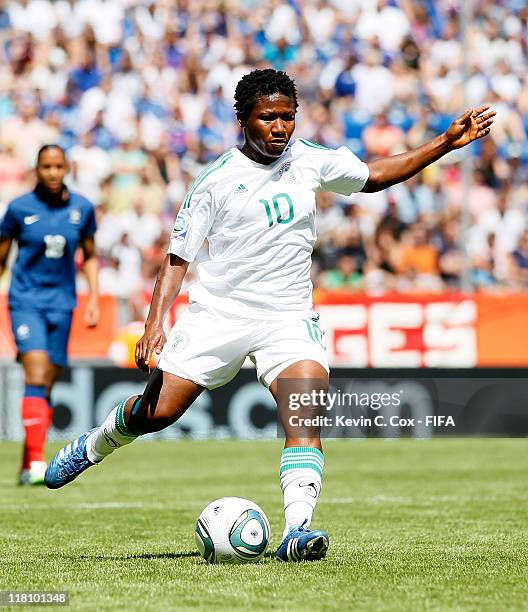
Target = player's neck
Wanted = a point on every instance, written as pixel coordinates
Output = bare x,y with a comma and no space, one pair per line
52,198
256,156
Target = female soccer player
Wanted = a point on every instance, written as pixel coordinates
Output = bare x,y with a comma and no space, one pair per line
48,224
256,207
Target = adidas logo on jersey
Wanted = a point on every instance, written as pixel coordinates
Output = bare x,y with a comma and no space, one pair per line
240,189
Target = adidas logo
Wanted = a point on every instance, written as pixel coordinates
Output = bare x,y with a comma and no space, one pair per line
240,189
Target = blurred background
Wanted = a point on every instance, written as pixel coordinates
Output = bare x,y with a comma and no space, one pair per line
428,273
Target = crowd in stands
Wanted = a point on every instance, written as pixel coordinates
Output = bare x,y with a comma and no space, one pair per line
139,92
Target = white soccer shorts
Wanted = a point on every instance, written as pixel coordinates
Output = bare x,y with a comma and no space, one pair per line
209,347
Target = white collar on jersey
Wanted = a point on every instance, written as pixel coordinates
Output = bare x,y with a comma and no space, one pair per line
254,164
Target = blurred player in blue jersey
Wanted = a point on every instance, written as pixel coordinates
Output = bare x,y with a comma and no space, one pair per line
48,224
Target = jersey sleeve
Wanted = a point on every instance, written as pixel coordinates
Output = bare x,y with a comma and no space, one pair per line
341,171
89,228
10,226
192,226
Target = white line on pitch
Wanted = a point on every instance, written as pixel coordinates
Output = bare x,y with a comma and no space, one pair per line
100,506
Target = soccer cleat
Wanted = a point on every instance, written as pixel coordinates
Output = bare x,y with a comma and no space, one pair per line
34,475
302,544
68,463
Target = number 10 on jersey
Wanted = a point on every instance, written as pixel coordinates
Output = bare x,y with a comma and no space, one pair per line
280,199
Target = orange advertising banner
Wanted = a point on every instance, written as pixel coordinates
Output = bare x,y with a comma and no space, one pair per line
390,331
445,330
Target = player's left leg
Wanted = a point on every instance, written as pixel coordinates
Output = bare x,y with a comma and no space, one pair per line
302,459
53,375
58,332
290,355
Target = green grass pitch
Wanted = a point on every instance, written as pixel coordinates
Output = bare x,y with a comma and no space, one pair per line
414,525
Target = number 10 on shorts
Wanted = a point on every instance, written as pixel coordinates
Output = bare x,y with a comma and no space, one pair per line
315,332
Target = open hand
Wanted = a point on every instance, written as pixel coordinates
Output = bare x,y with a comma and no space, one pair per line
474,123
91,313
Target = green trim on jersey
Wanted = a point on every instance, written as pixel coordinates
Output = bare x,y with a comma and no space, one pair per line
223,159
311,143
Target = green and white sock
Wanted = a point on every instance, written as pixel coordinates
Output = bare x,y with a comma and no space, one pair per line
301,469
112,434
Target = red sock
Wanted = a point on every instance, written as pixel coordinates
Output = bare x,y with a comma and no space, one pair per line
35,418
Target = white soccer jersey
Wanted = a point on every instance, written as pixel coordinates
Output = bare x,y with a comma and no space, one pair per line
260,224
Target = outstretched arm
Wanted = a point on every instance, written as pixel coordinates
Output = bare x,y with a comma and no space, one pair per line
473,124
168,285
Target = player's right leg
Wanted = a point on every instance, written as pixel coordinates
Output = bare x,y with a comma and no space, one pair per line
203,350
30,333
35,415
165,399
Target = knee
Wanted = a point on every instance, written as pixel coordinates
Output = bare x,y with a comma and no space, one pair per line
157,422
36,375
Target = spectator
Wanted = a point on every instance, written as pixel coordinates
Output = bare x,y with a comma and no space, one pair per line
374,83
25,131
519,263
344,276
140,93
90,166
382,139
128,277
483,266
12,173
86,75
506,223
417,254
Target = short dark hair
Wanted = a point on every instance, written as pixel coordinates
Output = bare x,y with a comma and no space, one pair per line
262,83
47,147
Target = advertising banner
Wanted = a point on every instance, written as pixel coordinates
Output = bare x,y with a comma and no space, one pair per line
390,331
372,403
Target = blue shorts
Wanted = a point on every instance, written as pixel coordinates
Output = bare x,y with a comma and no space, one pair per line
42,330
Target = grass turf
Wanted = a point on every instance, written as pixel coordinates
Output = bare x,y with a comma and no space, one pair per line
414,525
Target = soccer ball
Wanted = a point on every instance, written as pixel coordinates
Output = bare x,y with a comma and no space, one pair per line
232,530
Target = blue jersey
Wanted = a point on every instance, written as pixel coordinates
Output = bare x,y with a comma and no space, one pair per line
48,236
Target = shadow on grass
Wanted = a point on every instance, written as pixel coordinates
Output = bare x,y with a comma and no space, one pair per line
148,556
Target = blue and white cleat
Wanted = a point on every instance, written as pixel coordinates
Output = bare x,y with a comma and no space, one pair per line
68,463
301,544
